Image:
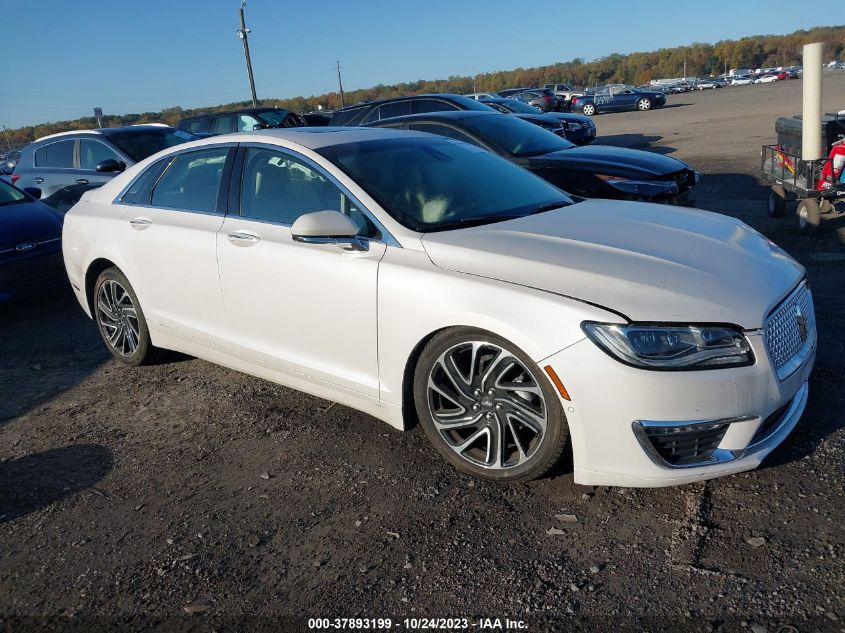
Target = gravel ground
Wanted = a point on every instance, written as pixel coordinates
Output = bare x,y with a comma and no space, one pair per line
185,496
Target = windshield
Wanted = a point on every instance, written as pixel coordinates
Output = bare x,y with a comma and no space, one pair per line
139,144
515,136
519,106
431,184
10,195
272,118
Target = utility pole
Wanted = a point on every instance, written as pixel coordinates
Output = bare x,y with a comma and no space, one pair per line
340,85
7,138
242,33
685,69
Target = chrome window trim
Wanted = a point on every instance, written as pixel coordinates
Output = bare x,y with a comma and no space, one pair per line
386,237
169,159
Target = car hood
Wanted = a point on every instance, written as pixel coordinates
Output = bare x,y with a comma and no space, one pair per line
614,161
647,262
28,222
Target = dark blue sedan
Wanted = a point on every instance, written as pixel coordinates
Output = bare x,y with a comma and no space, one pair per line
30,245
616,98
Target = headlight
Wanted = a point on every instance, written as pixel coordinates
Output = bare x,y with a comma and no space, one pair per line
641,189
672,347
573,125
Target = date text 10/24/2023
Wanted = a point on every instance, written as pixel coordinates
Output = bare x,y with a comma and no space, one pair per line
417,624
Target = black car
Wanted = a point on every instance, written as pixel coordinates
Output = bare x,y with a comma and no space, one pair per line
577,128
594,172
244,120
30,245
507,93
364,113
616,98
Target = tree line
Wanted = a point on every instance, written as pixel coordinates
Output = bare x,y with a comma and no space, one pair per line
758,51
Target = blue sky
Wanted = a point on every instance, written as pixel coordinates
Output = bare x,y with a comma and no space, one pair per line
61,58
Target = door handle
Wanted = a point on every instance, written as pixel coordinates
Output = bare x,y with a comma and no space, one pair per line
38,180
139,224
243,238
82,181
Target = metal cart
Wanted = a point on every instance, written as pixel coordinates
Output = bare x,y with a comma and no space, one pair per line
788,174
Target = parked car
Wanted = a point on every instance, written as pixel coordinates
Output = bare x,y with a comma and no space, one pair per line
543,100
617,97
243,120
594,171
429,280
576,128
84,157
564,93
480,96
30,245
509,92
766,79
708,84
388,108
741,80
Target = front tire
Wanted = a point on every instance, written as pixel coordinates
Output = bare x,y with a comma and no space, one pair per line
588,109
120,319
809,215
644,104
487,407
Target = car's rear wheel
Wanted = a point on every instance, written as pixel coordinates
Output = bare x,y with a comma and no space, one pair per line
589,109
776,202
487,408
120,319
809,215
644,104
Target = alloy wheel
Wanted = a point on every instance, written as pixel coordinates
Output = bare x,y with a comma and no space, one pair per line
644,104
487,405
118,318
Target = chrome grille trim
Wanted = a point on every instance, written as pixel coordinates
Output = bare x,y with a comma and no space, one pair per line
787,345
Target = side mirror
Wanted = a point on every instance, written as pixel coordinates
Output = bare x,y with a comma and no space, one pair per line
257,126
327,227
35,192
110,165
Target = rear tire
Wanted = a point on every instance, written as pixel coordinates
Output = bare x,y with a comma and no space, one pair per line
644,105
120,319
588,109
809,215
776,202
487,408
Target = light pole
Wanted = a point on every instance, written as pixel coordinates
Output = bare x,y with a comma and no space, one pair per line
242,33
340,85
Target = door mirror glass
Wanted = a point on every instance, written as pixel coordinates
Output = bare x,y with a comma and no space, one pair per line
323,224
110,165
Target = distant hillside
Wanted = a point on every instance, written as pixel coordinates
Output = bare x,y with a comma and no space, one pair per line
637,68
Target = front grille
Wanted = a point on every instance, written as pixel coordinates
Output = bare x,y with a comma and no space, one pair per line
685,445
790,326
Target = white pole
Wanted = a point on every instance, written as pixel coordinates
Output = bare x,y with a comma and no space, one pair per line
811,126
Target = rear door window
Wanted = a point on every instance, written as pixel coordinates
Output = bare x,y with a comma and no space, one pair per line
398,108
92,153
57,155
192,181
421,106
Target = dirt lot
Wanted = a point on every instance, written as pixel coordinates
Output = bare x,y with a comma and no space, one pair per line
127,495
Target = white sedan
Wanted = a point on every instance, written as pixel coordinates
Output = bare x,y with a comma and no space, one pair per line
766,79
415,277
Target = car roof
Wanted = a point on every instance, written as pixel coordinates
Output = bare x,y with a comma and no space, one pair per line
106,131
238,111
442,95
451,115
313,138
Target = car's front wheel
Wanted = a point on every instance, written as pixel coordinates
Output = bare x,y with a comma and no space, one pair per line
120,319
644,104
487,407
589,109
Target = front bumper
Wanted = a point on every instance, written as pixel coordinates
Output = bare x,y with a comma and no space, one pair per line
610,399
